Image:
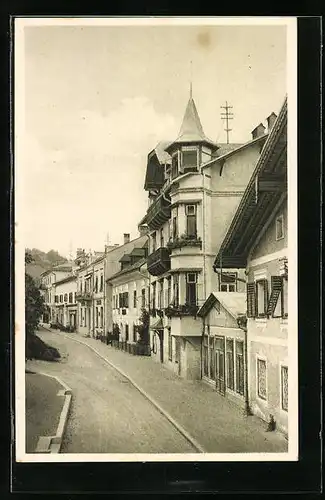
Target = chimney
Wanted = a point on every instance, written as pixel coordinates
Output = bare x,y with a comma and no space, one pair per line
126,238
143,230
270,121
258,131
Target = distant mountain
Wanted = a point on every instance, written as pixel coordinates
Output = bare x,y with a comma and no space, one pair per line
42,261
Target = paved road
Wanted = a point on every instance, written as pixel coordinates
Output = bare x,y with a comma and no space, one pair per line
108,415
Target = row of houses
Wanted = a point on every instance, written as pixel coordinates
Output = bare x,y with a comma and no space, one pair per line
209,268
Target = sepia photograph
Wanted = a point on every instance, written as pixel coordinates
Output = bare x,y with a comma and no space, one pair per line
155,177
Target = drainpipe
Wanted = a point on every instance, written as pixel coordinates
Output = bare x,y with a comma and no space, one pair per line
248,411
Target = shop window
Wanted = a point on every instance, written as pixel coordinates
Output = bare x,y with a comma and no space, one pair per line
261,378
284,388
212,359
190,211
206,356
191,295
170,345
279,227
240,367
176,290
230,364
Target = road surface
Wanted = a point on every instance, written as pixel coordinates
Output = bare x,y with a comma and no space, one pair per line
108,415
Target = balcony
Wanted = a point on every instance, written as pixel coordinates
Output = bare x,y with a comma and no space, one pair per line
185,241
83,296
181,310
159,261
158,213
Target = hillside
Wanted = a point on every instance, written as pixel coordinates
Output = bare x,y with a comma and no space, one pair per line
42,261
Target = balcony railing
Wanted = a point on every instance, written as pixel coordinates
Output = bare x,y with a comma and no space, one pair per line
83,296
159,261
158,213
185,241
181,310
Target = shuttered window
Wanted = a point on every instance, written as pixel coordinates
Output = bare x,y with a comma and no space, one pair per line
261,298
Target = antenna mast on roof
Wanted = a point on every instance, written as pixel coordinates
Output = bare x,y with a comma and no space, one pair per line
227,115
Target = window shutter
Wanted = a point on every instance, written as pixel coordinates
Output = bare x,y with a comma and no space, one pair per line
251,302
266,295
276,289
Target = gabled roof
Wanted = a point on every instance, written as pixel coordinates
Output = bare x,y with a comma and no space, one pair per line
191,129
133,267
233,302
266,188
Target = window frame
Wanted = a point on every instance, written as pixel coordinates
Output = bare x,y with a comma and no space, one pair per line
284,366
265,283
263,360
279,218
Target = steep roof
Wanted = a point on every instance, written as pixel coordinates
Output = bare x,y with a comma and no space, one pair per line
233,302
191,129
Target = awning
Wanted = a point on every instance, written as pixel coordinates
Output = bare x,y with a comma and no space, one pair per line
157,325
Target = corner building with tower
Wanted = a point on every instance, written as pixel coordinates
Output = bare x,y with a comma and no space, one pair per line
194,188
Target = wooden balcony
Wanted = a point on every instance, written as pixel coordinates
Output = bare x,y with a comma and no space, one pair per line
158,213
83,296
159,262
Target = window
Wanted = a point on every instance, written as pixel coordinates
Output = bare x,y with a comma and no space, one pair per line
279,228
176,290
65,297
127,332
154,295
143,297
228,282
170,345
134,333
261,297
134,299
169,292
56,298
206,356
101,317
61,298
175,165
284,388
191,288
212,359
240,367
70,298
190,211
96,284
160,301
154,243
96,318
101,283
175,224
123,300
261,378
162,241
85,317
230,364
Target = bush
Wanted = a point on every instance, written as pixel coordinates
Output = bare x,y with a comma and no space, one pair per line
37,349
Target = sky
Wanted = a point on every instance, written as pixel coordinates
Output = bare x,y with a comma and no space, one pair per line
99,98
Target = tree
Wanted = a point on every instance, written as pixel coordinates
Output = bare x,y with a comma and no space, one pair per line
34,302
143,328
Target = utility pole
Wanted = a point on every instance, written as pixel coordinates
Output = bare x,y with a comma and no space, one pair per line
227,115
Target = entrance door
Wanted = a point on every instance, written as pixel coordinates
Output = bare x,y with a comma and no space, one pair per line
89,320
220,366
161,343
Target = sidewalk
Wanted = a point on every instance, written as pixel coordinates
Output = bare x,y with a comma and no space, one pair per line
43,408
215,422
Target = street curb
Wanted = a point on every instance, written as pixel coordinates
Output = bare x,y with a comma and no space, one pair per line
52,444
177,426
